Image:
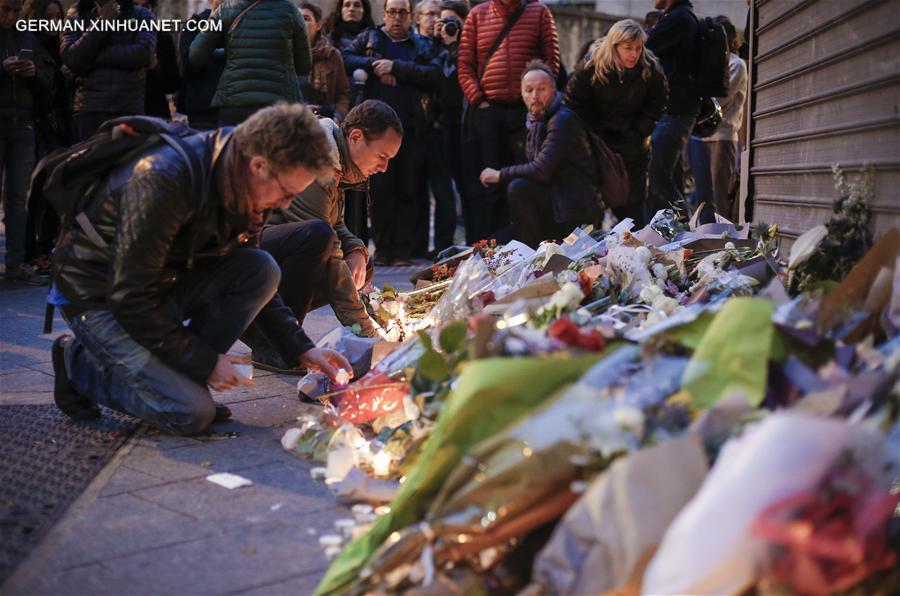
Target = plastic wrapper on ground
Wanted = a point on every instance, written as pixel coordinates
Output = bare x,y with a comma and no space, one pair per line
606,539
709,548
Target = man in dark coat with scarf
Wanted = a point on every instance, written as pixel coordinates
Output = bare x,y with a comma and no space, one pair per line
558,188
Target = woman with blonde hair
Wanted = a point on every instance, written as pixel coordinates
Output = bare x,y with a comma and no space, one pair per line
620,91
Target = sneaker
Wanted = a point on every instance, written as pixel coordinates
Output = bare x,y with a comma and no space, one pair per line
25,275
43,264
73,404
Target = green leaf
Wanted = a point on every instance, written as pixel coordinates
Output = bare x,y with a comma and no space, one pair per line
426,340
453,337
433,366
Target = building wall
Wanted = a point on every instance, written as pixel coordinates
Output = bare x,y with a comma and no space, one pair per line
825,79
736,10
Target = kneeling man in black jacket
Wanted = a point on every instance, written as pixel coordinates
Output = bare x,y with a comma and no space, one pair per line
557,189
159,255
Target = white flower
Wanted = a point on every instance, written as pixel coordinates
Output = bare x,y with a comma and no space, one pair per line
643,254
806,245
660,271
630,419
569,296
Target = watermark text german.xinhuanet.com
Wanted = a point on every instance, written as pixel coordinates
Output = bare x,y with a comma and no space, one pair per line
116,26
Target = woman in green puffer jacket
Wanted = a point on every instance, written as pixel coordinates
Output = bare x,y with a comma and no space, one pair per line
265,47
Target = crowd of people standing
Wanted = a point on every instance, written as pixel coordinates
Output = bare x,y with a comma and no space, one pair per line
310,127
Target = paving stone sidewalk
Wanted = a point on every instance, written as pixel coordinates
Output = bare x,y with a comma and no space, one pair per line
150,522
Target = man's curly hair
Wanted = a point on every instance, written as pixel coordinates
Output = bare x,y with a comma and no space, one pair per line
288,136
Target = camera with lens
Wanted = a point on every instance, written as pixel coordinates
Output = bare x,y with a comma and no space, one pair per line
451,26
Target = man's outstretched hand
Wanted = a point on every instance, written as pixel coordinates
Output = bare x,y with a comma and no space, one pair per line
225,376
325,361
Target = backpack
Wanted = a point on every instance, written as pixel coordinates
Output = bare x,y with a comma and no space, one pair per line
711,64
69,177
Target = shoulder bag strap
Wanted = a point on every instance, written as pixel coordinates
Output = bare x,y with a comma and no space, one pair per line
240,16
506,29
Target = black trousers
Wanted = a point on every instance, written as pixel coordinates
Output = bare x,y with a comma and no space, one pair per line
302,251
356,214
464,161
85,124
532,213
234,115
396,202
435,177
501,129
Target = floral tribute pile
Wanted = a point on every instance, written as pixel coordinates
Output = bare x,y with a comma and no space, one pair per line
664,410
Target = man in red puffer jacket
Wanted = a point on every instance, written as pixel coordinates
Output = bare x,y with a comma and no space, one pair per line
492,89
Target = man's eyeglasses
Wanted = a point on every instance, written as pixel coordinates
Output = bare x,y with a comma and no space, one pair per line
288,194
397,13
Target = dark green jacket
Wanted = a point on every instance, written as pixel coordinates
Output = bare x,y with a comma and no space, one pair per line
264,53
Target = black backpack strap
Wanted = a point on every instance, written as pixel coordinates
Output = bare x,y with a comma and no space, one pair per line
198,179
503,33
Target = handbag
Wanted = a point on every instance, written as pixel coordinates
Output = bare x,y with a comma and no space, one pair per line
469,124
614,186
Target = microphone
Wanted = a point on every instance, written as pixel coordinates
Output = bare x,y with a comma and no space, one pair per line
359,86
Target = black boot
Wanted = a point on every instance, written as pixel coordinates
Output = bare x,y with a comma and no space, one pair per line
265,355
73,404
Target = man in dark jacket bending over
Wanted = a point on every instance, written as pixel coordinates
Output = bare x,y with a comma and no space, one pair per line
169,256
557,189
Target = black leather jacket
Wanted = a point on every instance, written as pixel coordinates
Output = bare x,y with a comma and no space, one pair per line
154,225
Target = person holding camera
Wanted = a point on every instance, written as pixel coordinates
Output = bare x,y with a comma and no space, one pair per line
24,77
462,156
435,177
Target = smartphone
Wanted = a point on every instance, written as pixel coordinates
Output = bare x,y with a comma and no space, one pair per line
25,54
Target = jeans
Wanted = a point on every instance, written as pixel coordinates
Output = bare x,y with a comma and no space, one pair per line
667,142
713,166
220,297
501,129
532,212
302,251
16,165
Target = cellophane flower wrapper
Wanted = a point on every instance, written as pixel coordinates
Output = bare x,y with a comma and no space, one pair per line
489,395
535,460
470,277
733,354
604,542
709,548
